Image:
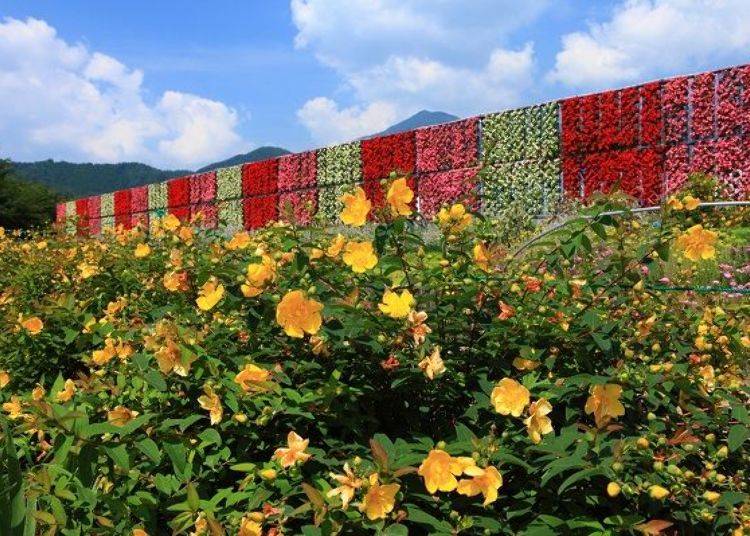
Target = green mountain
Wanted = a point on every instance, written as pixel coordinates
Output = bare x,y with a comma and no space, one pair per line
261,153
422,118
80,180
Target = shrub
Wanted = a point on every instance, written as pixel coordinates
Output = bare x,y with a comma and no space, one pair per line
396,379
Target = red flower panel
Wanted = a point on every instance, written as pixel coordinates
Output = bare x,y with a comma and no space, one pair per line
609,132
205,215
732,165
651,164
572,172
95,207
570,125
60,213
589,123
178,192
601,172
675,105
260,178
703,157
651,122
181,213
729,113
385,154
82,213
298,207
676,167
139,199
258,211
122,202
448,187
630,170
124,220
628,128
444,147
745,101
702,99
95,226
298,171
203,188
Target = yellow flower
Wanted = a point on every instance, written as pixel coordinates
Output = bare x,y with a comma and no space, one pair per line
349,484
14,408
105,355
674,203
379,500
240,240
248,527
4,378
604,403
337,244
395,305
432,365
356,208
210,294
120,416
252,377
360,256
510,397
142,250
170,222
258,275
67,393
658,492
38,393
175,281
211,403
419,330
139,532
399,196
295,452
690,202
87,270
697,243
538,424
485,481
525,364
481,256
170,359
454,219
299,315
439,470
33,325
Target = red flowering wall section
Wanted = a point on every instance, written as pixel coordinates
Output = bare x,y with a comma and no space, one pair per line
645,140
648,139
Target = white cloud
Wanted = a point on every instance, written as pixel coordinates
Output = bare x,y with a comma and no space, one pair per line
62,100
646,38
329,124
417,54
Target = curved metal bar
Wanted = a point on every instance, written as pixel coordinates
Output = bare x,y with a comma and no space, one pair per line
712,204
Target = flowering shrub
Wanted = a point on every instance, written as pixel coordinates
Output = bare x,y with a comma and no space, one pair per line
297,171
393,380
229,182
340,164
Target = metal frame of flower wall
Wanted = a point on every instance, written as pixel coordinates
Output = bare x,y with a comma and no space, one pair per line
645,138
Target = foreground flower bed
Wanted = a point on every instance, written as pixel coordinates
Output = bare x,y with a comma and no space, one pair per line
301,381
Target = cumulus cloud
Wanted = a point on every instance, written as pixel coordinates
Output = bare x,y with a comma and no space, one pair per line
64,100
330,124
646,38
407,55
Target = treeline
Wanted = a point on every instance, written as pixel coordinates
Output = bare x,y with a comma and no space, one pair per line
24,204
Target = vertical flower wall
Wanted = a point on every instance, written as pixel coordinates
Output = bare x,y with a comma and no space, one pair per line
520,150
644,140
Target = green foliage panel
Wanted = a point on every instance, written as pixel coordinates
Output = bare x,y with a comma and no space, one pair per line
340,164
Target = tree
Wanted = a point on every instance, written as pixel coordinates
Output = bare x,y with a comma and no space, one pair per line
24,205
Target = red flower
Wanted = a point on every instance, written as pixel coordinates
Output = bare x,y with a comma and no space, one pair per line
702,100
202,188
628,134
297,171
385,154
675,109
449,146
82,213
123,209
447,187
651,118
260,178
178,192
139,199
259,211
570,125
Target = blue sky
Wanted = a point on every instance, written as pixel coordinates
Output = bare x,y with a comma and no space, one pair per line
180,84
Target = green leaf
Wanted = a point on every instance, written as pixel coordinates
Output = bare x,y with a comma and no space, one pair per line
737,435
156,380
149,448
580,475
119,455
423,518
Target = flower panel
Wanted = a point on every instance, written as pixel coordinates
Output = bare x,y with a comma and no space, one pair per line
178,192
260,178
298,171
386,154
450,146
298,207
229,182
340,164
260,210
447,187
